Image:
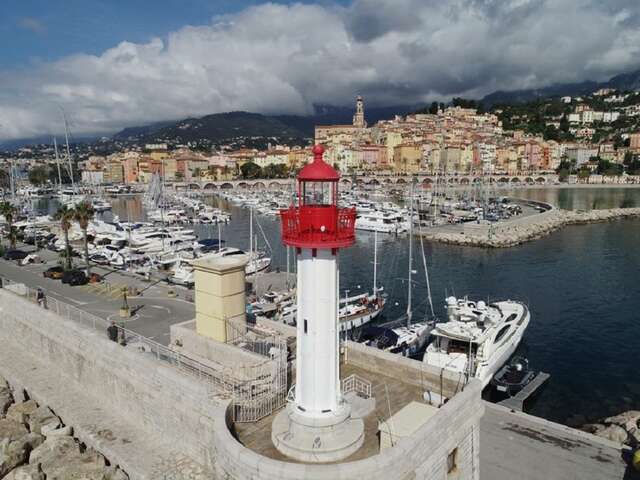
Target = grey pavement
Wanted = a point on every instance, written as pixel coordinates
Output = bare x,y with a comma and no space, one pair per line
520,446
153,312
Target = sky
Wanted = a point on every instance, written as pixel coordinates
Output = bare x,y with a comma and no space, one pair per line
115,63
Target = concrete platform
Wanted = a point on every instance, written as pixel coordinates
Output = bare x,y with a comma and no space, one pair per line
391,395
514,445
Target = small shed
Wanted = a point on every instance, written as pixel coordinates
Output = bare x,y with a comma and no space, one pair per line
404,423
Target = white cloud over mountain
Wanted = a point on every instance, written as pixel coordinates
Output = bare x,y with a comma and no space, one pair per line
282,59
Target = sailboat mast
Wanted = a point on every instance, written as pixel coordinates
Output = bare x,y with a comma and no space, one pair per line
409,309
66,139
375,263
55,148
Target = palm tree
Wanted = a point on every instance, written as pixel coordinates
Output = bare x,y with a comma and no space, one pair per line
65,215
83,214
9,212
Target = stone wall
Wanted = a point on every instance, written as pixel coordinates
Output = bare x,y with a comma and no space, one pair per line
133,385
422,455
425,376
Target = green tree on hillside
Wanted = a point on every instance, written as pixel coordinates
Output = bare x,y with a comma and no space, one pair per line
250,170
38,175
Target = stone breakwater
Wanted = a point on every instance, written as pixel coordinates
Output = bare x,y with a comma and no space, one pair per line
521,230
36,445
623,428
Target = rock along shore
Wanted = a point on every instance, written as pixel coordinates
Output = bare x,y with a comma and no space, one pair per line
521,230
36,445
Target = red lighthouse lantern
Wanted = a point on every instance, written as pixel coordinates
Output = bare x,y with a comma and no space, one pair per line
317,221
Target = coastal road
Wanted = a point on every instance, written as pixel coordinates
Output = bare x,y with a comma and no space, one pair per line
153,312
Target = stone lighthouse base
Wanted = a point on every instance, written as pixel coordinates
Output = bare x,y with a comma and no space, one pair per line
317,440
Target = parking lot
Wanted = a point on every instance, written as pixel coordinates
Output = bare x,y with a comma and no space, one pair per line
153,309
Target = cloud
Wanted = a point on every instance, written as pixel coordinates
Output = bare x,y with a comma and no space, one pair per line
32,24
276,58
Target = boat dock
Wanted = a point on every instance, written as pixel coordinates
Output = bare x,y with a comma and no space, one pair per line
517,401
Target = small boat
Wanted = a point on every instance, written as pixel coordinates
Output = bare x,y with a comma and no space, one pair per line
513,376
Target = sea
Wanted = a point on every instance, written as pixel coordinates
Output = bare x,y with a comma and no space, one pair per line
581,283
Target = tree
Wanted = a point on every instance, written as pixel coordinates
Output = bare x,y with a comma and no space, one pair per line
5,181
9,212
38,175
433,109
83,213
65,216
250,170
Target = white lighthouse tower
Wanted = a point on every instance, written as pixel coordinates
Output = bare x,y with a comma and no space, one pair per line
317,426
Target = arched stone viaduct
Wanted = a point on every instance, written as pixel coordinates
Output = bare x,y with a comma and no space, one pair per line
387,180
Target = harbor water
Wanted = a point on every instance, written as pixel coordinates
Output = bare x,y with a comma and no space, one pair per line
581,284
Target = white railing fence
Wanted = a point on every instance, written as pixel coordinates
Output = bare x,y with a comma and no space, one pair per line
356,384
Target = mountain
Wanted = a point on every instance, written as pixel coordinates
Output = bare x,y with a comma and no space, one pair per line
625,81
215,127
223,126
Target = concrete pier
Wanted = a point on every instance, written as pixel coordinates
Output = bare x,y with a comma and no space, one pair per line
523,229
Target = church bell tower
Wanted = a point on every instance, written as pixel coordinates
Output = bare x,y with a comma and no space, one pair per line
358,118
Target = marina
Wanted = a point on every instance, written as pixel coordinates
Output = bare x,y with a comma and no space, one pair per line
446,275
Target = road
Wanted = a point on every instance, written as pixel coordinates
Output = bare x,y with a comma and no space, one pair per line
153,312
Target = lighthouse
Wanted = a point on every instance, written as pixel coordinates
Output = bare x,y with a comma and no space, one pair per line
317,425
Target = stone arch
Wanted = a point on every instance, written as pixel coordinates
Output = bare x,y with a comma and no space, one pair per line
427,181
528,180
515,180
373,181
503,180
243,185
541,180
194,186
226,186
464,181
476,180
275,185
258,186
210,186
345,180
401,180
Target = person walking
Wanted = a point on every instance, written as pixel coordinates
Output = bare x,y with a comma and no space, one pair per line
41,298
112,331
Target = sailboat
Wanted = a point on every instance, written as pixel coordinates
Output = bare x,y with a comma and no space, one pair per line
408,339
353,312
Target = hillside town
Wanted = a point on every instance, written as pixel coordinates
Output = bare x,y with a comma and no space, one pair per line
565,135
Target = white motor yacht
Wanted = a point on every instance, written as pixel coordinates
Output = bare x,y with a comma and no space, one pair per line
478,338
377,221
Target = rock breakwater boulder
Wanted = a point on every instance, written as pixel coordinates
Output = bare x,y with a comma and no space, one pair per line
36,445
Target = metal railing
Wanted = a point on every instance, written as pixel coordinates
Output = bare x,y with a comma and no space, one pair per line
329,225
356,384
256,390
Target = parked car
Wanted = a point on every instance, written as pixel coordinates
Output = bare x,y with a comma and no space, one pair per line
15,255
31,258
74,277
54,273
95,278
